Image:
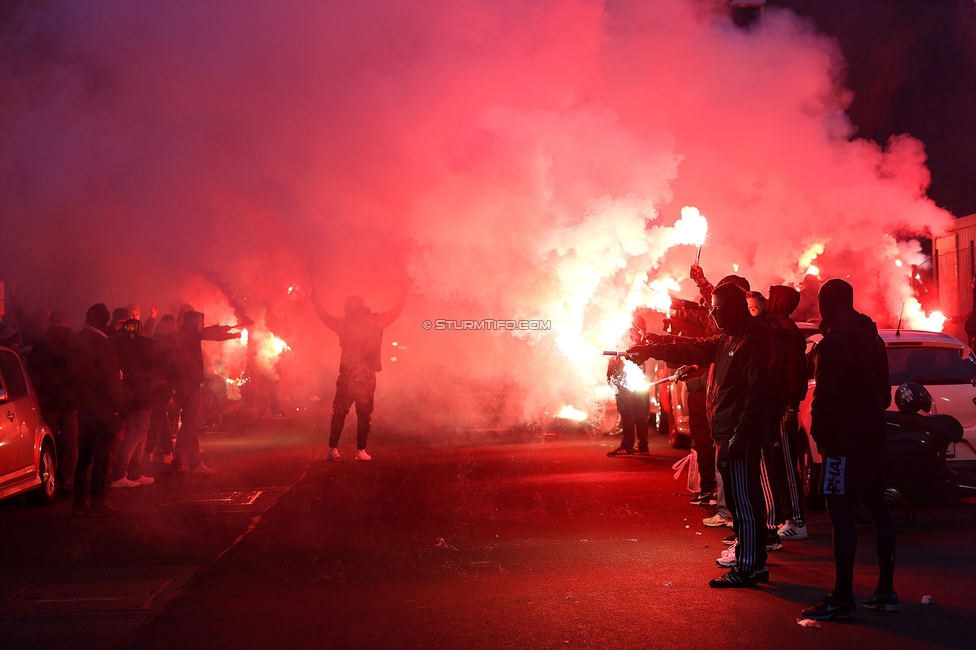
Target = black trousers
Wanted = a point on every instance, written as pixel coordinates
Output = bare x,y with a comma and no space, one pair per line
634,409
353,389
744,496
96,430
840,508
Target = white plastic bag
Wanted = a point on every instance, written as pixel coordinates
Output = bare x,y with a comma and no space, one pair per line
694,478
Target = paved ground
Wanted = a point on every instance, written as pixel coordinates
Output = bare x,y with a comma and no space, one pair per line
504,543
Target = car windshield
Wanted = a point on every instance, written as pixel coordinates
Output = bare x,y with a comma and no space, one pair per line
929,365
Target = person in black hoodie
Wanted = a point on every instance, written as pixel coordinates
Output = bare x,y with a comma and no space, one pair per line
187,369
848,424
48,370
792,385
137,360
96,377
738,408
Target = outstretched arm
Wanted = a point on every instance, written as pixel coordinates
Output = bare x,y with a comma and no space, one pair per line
330,321
388,317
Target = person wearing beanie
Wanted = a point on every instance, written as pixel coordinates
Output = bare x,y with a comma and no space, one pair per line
96,378
739,410
848,424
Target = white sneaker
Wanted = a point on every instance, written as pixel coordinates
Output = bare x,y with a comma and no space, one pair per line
332,455
727,559
202,470
125,483
146,480
362,455
790,530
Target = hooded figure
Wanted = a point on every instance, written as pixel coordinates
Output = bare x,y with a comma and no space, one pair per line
739,412
360,337
848,424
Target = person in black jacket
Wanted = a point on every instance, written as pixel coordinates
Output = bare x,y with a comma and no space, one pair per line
48,370
136,357
848,424
739,408
792,385
187,376
632,395
96,377
360,337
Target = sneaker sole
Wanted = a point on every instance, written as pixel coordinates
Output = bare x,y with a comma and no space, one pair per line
881,608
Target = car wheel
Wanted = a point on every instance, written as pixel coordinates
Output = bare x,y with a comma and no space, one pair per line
810,480
47,492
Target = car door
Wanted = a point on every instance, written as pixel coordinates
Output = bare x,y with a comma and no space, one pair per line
17,412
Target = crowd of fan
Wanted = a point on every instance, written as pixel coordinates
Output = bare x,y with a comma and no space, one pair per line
113,392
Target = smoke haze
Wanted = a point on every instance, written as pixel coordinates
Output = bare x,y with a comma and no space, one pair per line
508,159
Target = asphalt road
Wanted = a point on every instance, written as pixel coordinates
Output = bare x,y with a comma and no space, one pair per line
479,540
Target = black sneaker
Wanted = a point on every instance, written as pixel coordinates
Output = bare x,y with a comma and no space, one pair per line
620,452
642,451
730,540
882,602
832,606
705,499
733,580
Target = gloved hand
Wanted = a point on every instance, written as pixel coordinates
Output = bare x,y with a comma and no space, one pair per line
652,337
684,372
638,354
697,275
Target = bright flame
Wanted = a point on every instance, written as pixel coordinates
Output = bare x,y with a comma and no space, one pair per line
813,270
899,263
570,413
916,319
244,336
691,228
634,378
735,268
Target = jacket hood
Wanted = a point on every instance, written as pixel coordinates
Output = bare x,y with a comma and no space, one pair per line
783,300
855,325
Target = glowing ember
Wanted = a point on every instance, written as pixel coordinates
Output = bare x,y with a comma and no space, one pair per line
243,338
570,413
899,263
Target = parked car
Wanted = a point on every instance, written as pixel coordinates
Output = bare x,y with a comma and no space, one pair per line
27,452
943,364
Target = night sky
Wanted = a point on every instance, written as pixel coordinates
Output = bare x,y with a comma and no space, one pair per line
912,67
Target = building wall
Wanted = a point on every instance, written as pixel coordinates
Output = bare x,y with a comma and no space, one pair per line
955,257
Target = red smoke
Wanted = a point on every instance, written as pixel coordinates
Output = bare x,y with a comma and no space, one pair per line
516,159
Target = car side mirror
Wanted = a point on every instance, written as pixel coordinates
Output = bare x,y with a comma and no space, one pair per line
3,395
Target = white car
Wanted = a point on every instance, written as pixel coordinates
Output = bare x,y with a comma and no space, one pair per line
27,456
942,363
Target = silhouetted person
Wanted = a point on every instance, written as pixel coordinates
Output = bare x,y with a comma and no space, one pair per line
970,325
848,424
187,378
739,410
632,395
97,380
119,316
48,370
360,337
163,411
150,325
136,355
